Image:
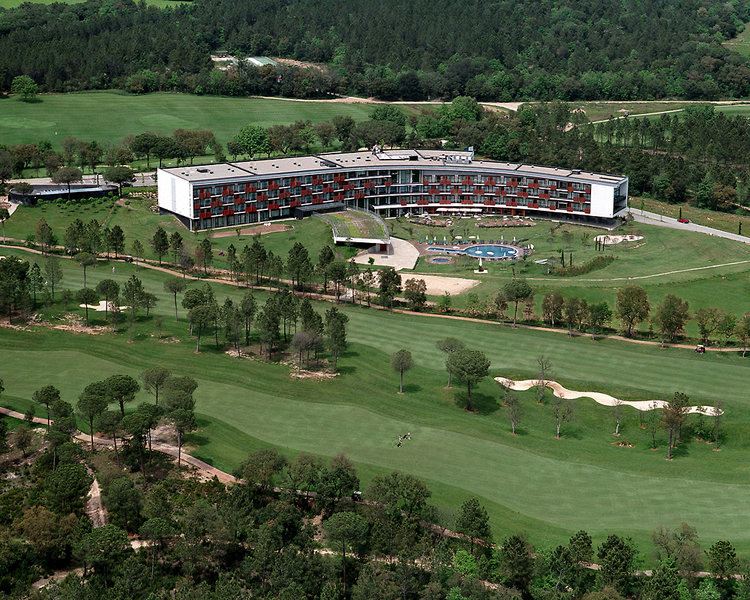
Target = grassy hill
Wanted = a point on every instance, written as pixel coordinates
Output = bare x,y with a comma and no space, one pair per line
549,488
110,116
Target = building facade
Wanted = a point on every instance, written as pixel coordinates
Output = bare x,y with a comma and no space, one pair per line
390,183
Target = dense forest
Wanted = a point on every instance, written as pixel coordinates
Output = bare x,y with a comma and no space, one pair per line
492,50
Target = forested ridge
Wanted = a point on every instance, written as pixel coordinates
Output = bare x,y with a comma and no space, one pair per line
490,49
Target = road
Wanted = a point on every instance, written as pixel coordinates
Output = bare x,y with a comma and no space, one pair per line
650,218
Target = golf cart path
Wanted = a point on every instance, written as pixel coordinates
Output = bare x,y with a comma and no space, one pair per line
651,218
206,469
598,397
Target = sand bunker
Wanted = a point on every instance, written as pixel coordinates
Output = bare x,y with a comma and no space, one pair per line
610,240
104,306
605,399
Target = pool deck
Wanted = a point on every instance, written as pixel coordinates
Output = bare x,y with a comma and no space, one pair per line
458,249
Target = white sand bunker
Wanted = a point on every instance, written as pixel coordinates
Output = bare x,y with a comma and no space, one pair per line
104,306
610,240
605,399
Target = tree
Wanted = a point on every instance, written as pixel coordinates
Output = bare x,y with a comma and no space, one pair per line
86,260
110,289
708,320
261,467
253,140
44,235
552,308
544,368
389,286
722,560
132,293
207,255
183,420
248,308
347,528
415,292
562,410
154,379
160,243
663,583
514,410
337,272
25,87
115,240
631,307
137,250
516,563
469,367
53,274
299,265
200,317
175,286
176,245
474,522
449,346
119,175
47,396
36,281
336,333
670,317
87,297
121,389
104,548
65,488
599,316
674,414
124,503
742,331
4,216
67,176
110,423
401,362
91,404
616,559
23,437
515,291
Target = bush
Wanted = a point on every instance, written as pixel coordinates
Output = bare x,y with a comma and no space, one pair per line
593,265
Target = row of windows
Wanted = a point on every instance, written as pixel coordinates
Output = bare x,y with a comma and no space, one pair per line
399,178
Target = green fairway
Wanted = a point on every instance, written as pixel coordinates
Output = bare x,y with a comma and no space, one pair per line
108,117
533,482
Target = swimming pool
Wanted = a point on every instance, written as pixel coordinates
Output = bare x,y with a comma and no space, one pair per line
486,251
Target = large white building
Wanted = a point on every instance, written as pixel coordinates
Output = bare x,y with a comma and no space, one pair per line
391,183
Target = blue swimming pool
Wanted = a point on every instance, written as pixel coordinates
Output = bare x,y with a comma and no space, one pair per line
486,251
491,251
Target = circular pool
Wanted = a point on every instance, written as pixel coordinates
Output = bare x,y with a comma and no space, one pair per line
491,251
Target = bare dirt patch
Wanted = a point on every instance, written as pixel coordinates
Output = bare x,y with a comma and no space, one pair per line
254,230
439,284
315,375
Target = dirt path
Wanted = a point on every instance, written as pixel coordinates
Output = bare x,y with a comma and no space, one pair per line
94,506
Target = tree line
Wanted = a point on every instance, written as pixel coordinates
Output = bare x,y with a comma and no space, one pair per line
495,51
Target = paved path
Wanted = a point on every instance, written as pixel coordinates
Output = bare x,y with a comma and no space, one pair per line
403,255
650,218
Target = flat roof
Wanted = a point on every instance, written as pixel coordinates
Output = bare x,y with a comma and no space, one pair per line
343,161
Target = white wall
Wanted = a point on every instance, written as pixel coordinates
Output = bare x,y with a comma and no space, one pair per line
175,194
602,200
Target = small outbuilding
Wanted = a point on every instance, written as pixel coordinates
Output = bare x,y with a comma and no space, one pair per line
53,192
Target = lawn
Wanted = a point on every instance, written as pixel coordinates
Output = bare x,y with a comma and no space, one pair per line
741,43
110,116
710,218
530,482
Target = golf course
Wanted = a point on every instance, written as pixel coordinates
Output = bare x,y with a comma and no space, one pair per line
529,482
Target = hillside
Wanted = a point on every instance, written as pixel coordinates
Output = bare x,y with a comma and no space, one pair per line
492,50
